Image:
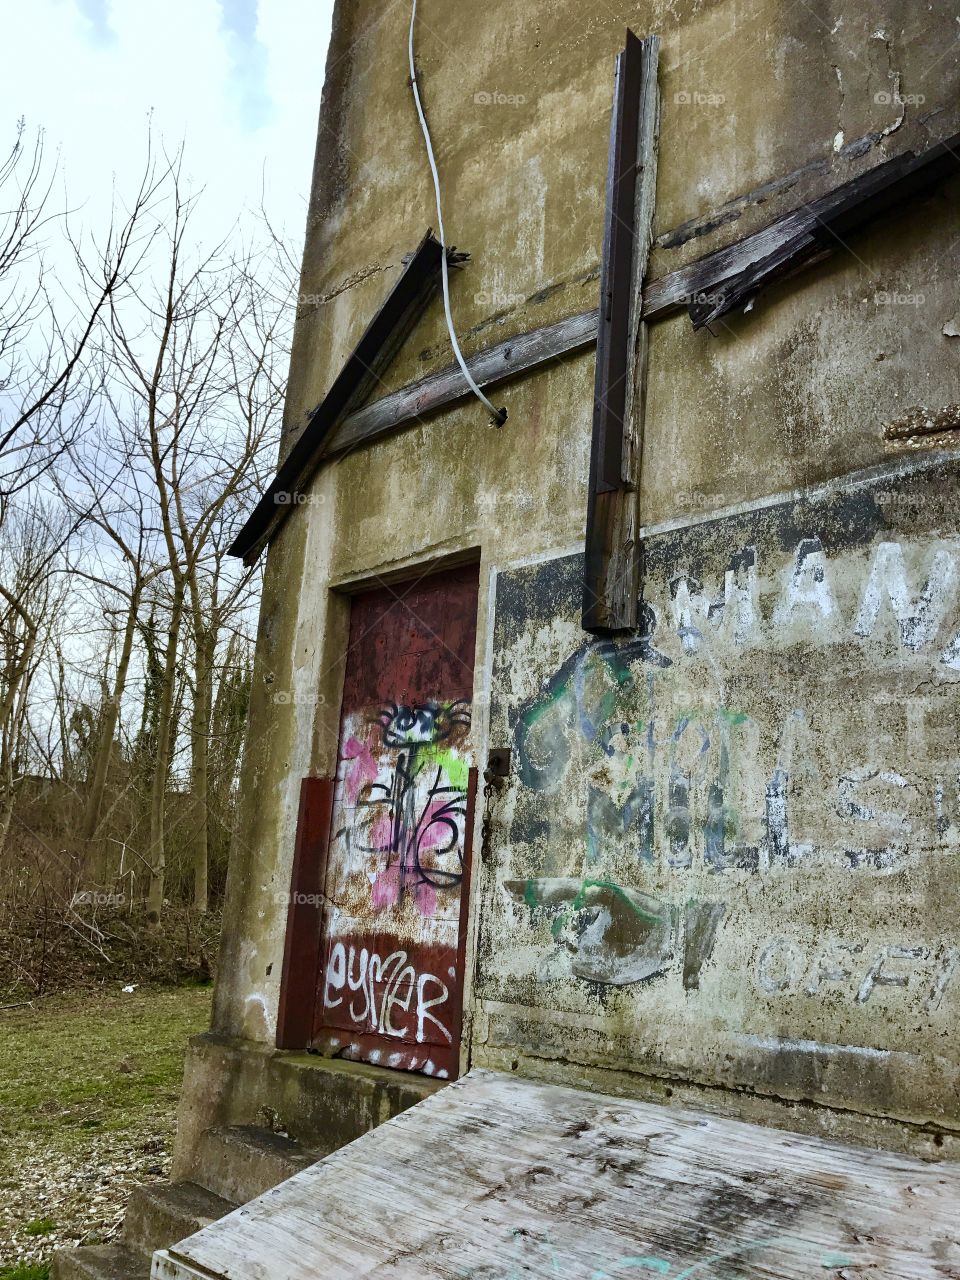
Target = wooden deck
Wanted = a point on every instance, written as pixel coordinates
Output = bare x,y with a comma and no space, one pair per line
497,1178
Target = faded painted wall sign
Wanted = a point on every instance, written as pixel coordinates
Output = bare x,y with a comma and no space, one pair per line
391,976
746,815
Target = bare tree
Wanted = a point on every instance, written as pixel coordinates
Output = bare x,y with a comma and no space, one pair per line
55,293
46,322
197,394
31,542
139,410
119,560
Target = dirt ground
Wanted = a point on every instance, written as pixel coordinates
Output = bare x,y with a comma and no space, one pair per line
89,1084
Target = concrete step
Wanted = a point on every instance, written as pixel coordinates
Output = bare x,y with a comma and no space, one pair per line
99,1262
242,1162
162,1213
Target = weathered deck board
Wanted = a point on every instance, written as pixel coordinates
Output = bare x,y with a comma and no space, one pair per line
497,1178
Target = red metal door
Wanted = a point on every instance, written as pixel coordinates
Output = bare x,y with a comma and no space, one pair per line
391,972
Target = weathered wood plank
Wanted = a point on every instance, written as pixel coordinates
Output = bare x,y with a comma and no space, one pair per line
727,279
378,344
611,563
617,269
497,1177
646,200
493,365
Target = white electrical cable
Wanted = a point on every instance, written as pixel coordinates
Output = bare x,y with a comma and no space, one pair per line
499,415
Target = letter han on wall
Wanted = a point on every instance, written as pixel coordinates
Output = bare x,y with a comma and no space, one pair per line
740,826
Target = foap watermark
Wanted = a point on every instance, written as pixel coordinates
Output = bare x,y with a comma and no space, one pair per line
499,299
297,698
892,298
888,98
905,501
490,501
293,498
297,899
699,500
702,298
494,98
698,98
97,898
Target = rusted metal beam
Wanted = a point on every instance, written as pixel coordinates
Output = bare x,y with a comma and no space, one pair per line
385,333
301,953
611,567
465,894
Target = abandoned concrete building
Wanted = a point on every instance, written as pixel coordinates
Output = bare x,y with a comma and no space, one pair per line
603,756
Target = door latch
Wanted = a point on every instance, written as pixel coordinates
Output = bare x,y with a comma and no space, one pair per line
494,776
498,765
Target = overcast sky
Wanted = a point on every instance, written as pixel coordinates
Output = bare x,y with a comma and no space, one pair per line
239,81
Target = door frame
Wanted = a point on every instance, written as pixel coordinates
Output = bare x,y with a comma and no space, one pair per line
305,931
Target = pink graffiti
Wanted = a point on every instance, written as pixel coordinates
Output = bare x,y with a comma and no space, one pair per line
386,892
381,833
363,770
386,889
436,826
425,897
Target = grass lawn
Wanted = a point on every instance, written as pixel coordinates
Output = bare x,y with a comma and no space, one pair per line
89,1084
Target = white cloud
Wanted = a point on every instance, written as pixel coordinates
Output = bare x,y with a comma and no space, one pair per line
240,88
97,14
248,58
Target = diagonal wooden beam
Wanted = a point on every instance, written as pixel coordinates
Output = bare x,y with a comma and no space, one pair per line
489,367
385,333
727,279
713,285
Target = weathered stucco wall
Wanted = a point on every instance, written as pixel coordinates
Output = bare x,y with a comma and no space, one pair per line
431,499
764,105
728,854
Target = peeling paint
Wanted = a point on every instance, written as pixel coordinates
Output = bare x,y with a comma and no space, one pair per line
736,789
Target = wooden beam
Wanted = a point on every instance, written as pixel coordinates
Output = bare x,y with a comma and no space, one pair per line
727,279
493,365
611,565
388,329
708,288
527,351
649,137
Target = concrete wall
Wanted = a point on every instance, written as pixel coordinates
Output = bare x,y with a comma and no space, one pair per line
729,852
320,1105
764,105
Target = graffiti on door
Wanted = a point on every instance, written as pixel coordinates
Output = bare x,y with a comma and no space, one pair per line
406,786
390,965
